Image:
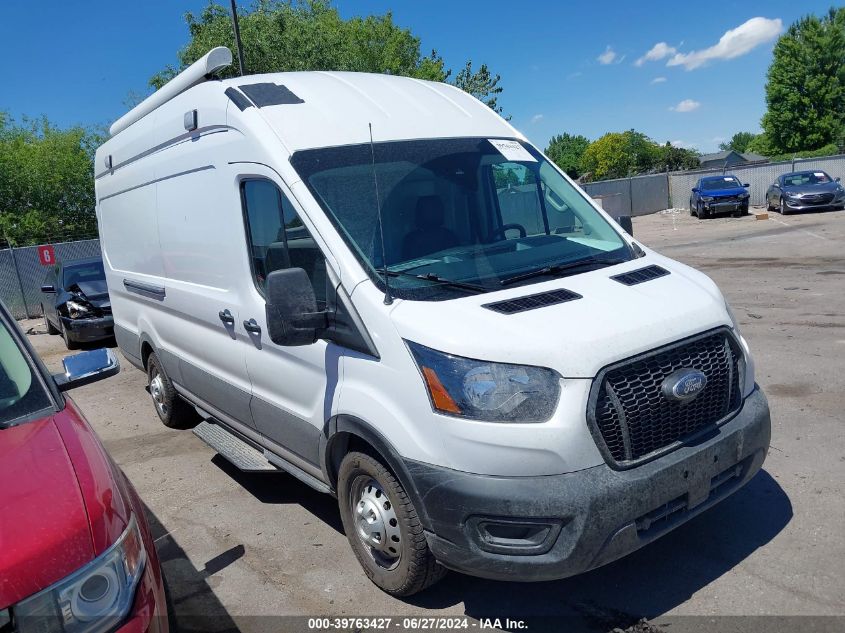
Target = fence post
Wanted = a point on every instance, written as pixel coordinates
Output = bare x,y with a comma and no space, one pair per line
631,196
18,275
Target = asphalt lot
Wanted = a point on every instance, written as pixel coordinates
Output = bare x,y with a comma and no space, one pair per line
236,546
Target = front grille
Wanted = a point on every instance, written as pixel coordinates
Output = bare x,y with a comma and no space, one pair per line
634,421
817,198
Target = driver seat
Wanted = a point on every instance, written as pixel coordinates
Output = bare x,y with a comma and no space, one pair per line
429,234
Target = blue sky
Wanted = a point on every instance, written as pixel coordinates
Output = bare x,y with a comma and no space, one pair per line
565,67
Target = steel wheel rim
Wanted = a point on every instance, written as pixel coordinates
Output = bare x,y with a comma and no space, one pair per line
157,392
375,522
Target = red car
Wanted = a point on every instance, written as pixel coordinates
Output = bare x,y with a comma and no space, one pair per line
76,554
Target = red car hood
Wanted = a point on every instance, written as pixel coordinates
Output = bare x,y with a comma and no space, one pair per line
44,529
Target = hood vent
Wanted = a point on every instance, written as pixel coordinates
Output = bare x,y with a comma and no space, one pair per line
641,275
532,302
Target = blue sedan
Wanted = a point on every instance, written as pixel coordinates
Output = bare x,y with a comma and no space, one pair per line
719,194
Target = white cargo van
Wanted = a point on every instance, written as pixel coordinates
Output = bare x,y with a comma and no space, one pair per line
435,325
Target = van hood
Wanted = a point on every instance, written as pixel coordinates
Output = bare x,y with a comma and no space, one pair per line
610,322
44,529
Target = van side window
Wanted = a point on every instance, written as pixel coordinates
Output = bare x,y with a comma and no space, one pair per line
278,238
518,198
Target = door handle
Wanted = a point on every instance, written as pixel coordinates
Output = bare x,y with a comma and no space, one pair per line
226,317
252,327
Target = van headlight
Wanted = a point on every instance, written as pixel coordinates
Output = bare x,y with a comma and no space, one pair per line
481,390
747,366
93,599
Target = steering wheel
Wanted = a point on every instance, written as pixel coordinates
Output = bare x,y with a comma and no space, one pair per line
507,227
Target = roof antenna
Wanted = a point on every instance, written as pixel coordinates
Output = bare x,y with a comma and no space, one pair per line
388,298
241,66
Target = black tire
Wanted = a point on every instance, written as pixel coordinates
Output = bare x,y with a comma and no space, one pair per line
782,208
692,209
173,412
700,212
49,326
411,567
69,342
741,212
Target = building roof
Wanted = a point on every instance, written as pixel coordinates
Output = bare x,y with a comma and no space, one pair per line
747,157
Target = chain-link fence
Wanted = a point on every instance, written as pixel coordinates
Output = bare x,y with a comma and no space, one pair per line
639,195
22,273
759,177
642,195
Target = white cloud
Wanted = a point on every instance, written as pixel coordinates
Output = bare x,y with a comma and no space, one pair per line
658,80
608,56
536,118
687,105
734,43
682,144
659,51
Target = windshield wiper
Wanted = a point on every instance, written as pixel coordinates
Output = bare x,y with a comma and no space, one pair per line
438,279
556,269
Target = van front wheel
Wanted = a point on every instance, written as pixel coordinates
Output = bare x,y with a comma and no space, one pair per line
174,412
383,528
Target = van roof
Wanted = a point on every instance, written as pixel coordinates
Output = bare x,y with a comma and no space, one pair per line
321,109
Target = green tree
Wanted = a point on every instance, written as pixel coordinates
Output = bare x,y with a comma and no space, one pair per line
671,158
567,151
761,144
46,181
289,35
805,91
620,154
739,142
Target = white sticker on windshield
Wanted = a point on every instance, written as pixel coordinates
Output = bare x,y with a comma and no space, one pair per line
729,179
818,174
512,150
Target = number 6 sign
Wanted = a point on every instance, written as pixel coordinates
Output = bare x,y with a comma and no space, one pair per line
46,255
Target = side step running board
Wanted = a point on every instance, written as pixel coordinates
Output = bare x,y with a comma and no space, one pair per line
233,448
250,459
296,471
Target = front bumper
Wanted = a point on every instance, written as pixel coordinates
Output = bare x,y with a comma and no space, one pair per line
550,527
799,204
722,206
86,330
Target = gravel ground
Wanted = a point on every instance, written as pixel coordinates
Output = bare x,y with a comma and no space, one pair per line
239,546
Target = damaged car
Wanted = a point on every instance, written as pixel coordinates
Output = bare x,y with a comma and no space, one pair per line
75,302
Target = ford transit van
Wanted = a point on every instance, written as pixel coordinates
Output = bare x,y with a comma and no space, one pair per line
379,286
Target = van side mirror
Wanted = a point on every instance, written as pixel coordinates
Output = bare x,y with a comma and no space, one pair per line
87,367
625,222
696,190
48,288
292,316
746,185
837,179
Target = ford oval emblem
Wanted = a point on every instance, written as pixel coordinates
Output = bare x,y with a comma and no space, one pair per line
683,385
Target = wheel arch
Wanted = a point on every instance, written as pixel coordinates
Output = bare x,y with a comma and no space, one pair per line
346,433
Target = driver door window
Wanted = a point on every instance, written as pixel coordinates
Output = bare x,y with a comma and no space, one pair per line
277,237
518,199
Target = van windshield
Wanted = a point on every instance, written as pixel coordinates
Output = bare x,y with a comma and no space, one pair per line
479,212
